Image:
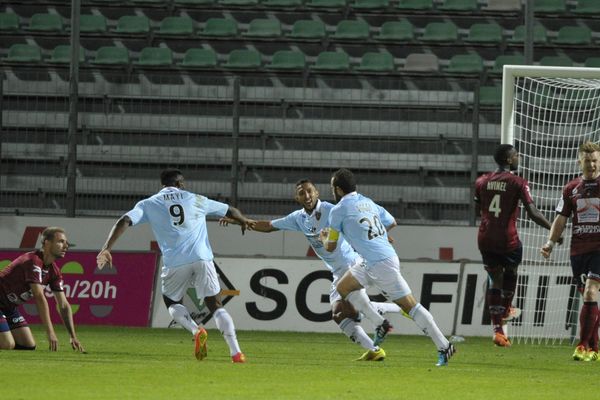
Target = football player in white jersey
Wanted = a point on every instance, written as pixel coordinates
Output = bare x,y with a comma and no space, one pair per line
178,220
312,221
364,224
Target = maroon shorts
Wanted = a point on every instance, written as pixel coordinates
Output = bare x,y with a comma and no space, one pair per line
11,318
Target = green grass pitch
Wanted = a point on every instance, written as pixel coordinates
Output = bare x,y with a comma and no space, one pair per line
128,363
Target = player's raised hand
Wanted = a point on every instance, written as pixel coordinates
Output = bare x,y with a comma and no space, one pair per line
103,259
225,221
76,345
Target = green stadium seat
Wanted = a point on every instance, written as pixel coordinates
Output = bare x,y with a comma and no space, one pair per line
550,6
24,53
220,27
110,55
9,21
539,34
422,63
370,4
193,2
440,32
288,60
458,5
89,23
592,62
503,60
332,61
243,59
199,58
589,7
326,3
308,29
155,57
485,33
238,2
556,61
263,28
401,30
133,24
490,96
62,54
282,3
355,30
571,35
376,62
45,23
183,26
466,64
149,2
503,5
415,5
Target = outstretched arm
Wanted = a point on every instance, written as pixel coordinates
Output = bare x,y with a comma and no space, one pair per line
259,226
104,257
558,226
536,216
241,219
64,308
44,312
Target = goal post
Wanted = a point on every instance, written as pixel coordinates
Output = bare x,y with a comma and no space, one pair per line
547,112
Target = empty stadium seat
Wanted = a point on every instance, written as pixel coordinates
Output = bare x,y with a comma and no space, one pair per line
592,62
243,59
507,60
440,32
355,30
176,26
155,57
220,27
9,21
199,58
332,61
417,5
401,30
466,64
556,61
571,35
376,62
458,5
287,60
370,4
238,2
90,23
485,33
282,3
539,34
25,53
503,5
111,55
308,29
45,23
62,54
422,63
193,2
550,6
490,96
133,24
591,7
264,28
326,3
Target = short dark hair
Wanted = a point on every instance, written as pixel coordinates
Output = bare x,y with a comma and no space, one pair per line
49,232
502,153
345,180
302,181
169,177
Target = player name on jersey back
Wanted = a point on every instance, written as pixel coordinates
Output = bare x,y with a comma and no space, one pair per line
499,186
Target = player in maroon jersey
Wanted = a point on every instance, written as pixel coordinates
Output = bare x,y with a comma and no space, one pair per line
497,197
581,202
25,278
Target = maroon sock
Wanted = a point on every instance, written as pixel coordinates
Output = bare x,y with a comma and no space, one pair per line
509,286
494,299
587,321
594,339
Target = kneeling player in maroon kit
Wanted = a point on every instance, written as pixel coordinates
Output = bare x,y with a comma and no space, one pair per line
25,278
581,201
497,196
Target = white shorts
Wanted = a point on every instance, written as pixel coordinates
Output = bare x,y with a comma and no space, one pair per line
201,275
383,275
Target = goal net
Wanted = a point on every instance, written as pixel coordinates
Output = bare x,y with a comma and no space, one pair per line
547,112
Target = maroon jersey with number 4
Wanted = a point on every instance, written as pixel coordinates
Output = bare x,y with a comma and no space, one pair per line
498,195
24,270
581,201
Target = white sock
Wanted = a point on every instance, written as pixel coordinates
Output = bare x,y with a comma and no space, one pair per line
361,302
387,307
182,316
425,322
357,334
225,325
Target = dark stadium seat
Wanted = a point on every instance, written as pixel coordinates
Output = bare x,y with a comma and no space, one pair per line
199,58
440,32
183,26
574,35
263,28
282,3
220,27
376,62
507,59
466,64
592,62
288,60
550,6
9,21
90,23
332,61
193,2
243,59
308,29
326,3
490,96
401,30
111,55
556,61
539,34
45,23
587,7
352,29
370,4
416,5
62,54
238,2
133,24
503,5
458,5
485,33
24,53
155,57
